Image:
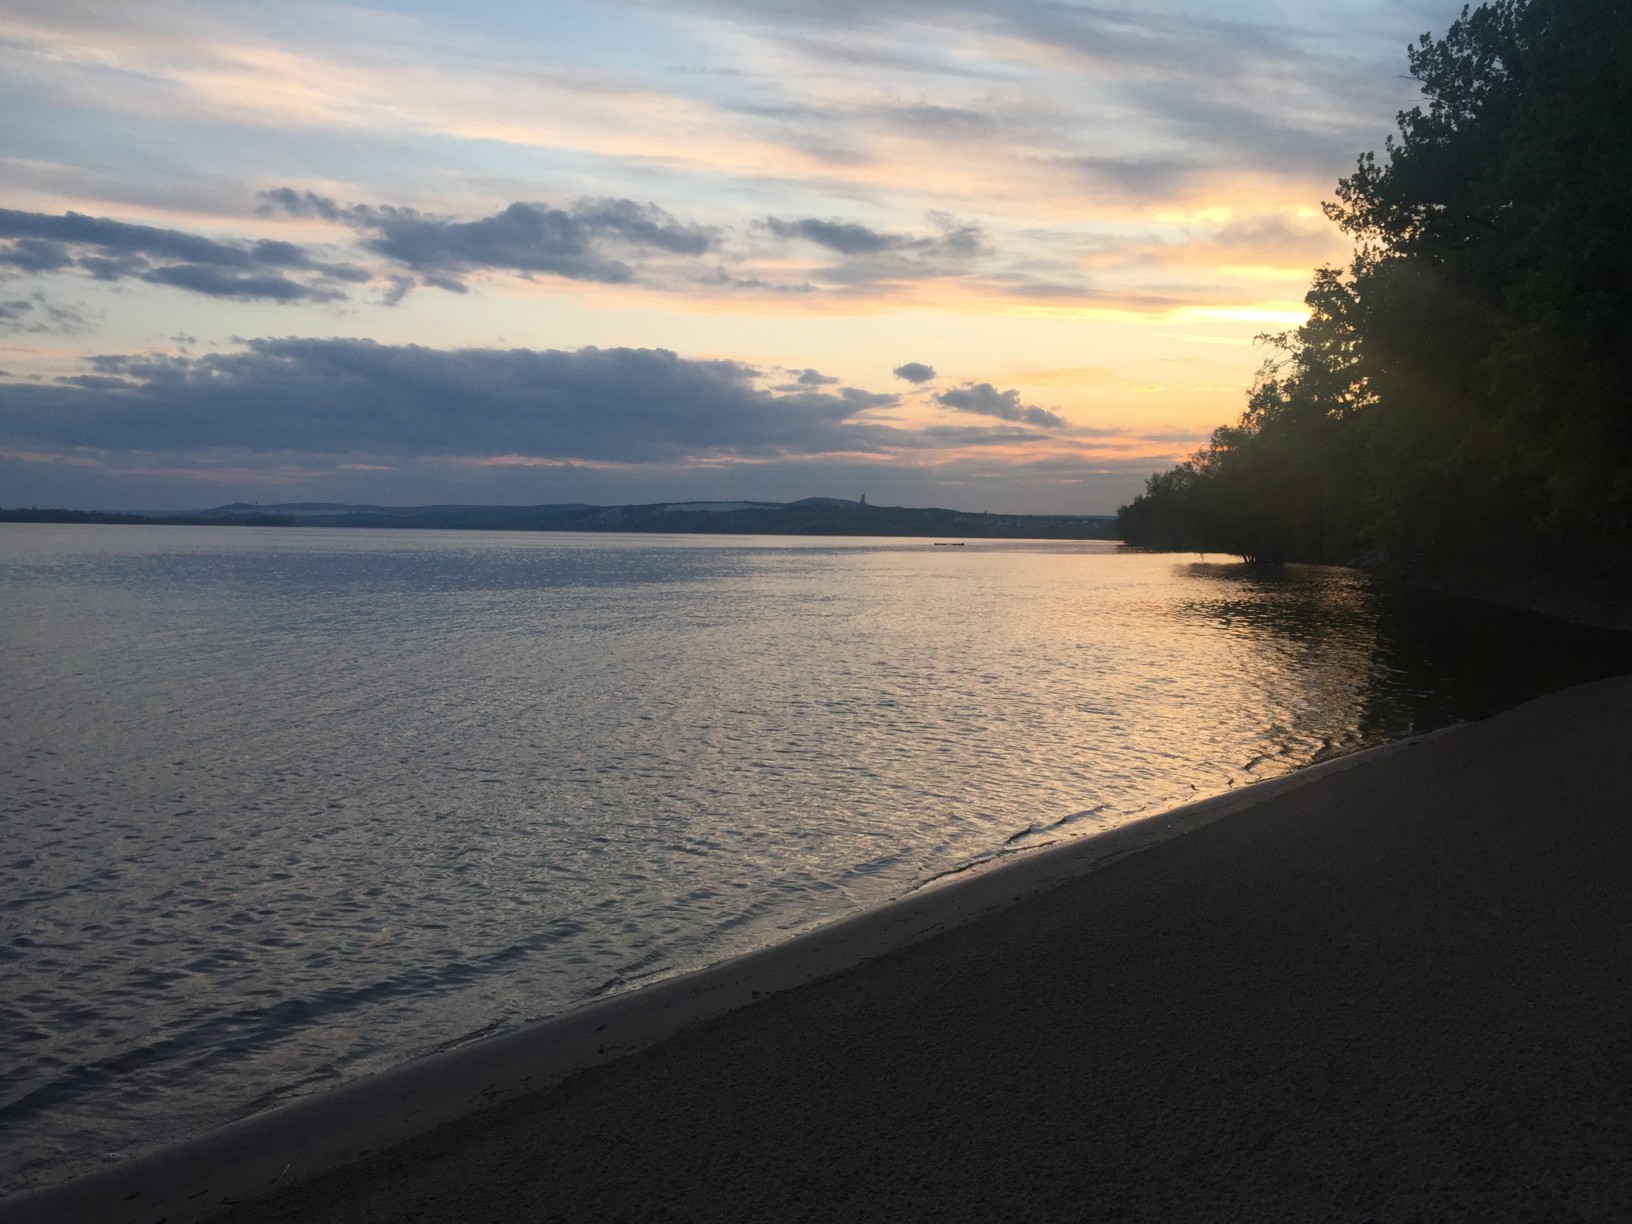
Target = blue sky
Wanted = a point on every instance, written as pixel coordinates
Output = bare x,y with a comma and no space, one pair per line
1006,256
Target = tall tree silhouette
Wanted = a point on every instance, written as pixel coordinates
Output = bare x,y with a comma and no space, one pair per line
1467,377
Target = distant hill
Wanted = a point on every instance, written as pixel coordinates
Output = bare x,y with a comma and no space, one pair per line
180,518
336,514
808,516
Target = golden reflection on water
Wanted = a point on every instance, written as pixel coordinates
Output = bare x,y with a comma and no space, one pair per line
1308,637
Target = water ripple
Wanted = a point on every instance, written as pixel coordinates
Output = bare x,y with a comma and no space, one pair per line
280,808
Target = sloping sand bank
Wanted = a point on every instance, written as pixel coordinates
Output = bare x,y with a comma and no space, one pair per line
1398,986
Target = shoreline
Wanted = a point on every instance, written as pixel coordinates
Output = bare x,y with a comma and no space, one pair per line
279,1148
1391,985
1396,991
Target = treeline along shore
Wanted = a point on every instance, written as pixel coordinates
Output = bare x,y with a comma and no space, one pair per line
1461,395
812,516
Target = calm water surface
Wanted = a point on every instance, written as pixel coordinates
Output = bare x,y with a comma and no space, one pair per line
282,807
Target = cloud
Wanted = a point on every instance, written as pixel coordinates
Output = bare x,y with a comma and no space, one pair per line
962,436
523,238
1130,101
360,397
868,254
937,121
602,240
618,241
35,255
223,282
915,372
1151,178
857,398
34,315
807,378
844,237
983,399
301,204
37,243
646,224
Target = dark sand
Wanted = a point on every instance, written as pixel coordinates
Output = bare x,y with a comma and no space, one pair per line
1402,991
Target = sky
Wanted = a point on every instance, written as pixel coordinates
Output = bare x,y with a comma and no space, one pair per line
1008,255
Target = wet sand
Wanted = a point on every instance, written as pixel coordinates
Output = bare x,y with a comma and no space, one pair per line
1397,988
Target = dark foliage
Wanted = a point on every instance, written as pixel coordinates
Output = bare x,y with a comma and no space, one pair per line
1467,378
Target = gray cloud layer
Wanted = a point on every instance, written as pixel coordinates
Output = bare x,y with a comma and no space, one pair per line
115,250
983,399
915,372
806,379
331,418
868,254
523,238
846,238
611,241
603,240
345,396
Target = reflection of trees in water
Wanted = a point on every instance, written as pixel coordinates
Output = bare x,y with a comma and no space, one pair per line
1302,637
1299,604
1346,661
1464,659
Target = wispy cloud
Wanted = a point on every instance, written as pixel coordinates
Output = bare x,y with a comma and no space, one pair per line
37,315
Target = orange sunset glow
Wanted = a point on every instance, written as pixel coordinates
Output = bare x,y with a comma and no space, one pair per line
721,227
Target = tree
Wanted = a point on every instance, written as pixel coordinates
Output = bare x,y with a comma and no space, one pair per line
1496,263
1280,484
1468,378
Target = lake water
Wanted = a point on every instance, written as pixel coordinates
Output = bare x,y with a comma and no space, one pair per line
283,807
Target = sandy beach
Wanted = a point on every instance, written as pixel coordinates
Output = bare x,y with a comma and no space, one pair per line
1395,987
